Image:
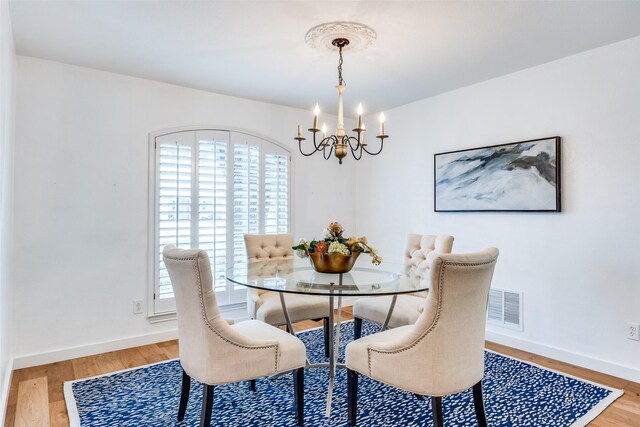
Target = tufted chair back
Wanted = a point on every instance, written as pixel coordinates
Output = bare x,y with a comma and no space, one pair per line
211,350
445,347
262,247
257,270
453,323
423,248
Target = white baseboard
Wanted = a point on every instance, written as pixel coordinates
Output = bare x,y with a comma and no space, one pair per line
563,355
6,387
348,301
589,362
91,349
29,360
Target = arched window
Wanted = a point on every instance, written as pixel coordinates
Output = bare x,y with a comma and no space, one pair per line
210,188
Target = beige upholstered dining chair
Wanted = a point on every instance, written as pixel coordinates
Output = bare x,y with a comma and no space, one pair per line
265,305
420,251
214,351
443,352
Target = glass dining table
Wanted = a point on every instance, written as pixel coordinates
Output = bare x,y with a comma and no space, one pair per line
297,276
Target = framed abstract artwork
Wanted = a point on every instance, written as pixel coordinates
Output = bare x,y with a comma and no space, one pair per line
516,177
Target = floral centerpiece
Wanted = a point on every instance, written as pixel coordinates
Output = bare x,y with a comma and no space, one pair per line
334,253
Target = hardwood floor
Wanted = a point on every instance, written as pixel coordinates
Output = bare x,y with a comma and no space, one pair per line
36,397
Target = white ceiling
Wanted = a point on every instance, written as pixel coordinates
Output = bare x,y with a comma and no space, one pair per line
256,50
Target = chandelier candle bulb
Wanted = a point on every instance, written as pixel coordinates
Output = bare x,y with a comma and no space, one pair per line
381,124
324,130
299,131
360,116
364,129
316,113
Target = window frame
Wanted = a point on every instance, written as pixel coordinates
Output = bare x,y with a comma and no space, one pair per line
152,215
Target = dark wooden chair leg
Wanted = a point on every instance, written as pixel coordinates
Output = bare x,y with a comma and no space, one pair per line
436,407
207,405
252,385
298,390
326,336
479,405
418,396
184,395
352,396
357,328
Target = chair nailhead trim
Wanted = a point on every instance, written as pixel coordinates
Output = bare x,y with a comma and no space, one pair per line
437,317
206,320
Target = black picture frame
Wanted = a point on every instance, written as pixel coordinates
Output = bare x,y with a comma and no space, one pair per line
493,155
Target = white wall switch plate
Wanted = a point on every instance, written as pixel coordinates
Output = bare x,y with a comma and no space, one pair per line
633,331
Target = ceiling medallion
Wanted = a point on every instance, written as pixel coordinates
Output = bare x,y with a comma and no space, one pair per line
340,143
322,36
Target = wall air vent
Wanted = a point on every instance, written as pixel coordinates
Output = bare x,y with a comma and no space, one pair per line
505,308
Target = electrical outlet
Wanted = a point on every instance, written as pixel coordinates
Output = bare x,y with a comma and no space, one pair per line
633,331
137,306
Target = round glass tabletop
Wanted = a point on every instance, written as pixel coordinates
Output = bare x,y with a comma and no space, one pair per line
297,276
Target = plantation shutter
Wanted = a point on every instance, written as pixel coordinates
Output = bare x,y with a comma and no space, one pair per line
246,194
213,204
276,193
174,187
211,188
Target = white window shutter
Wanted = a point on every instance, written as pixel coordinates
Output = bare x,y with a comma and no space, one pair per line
211,188
213,157
246,195
276,193
174,154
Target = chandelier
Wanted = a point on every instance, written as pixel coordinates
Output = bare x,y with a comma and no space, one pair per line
340,144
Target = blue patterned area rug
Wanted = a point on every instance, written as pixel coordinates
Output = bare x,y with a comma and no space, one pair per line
516,394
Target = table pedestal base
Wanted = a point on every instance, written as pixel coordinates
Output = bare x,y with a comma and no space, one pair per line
334,342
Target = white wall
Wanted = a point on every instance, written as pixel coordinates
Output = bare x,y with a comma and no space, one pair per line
81,200
580,269
7,65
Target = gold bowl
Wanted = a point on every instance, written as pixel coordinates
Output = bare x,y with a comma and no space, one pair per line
333,262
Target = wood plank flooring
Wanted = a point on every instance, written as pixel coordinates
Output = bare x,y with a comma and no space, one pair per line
36,397
33,403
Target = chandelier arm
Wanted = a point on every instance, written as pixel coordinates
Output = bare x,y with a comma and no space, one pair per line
320,146
357,141
357,149
306,154
327,153
356,156
377,152
311,153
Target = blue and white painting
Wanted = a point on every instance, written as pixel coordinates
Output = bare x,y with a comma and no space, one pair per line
523,176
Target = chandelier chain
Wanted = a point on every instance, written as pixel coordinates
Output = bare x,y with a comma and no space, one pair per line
340,81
